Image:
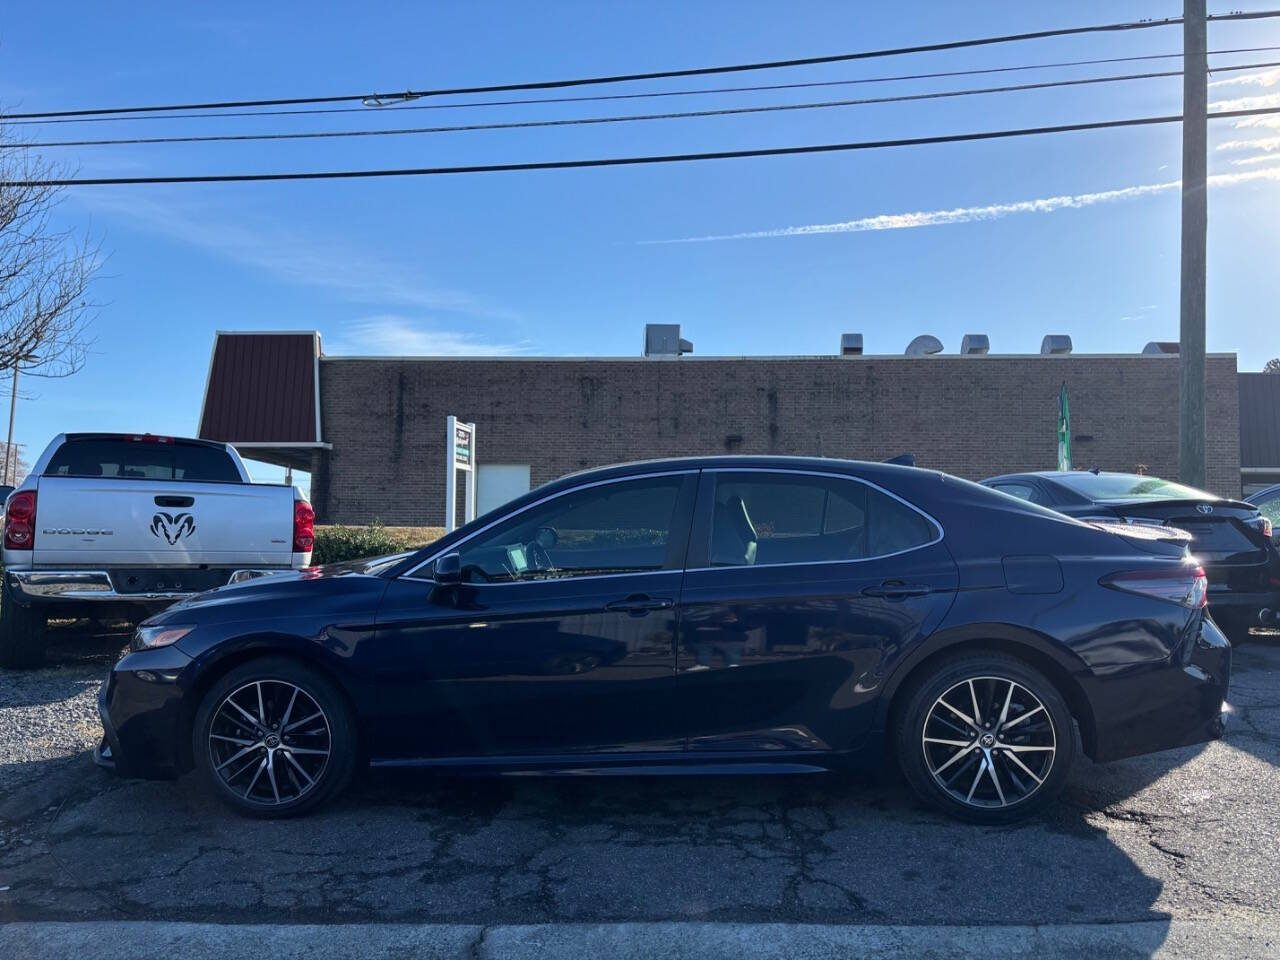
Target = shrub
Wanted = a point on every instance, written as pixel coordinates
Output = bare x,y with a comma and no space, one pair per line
336,544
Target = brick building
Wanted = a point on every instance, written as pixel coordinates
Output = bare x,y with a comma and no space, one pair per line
371,430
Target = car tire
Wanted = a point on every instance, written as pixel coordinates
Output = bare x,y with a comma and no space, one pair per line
945,759
22,633
237,737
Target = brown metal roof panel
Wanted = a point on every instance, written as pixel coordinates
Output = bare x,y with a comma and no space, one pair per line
261,389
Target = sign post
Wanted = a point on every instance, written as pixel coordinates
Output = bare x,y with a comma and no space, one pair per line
460,454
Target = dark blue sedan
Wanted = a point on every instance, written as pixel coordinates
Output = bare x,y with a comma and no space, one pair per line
694,616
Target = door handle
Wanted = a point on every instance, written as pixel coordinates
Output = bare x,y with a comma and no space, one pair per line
897,590
175,501
640,604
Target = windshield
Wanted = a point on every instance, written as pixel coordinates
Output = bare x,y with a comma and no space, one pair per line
1129,486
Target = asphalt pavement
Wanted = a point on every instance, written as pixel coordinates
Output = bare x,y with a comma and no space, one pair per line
1165,846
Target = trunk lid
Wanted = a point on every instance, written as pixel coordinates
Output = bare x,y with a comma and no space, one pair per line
1219,529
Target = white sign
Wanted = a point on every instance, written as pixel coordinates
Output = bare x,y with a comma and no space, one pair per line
463,454
460,454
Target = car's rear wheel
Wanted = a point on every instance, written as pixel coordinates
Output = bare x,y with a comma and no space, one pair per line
274,738
22,633
986,737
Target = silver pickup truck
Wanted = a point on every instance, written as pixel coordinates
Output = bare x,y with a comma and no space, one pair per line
119,525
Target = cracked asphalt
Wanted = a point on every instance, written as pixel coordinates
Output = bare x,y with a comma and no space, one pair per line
1185,835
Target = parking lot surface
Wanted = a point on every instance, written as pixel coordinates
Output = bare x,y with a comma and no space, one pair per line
1184,835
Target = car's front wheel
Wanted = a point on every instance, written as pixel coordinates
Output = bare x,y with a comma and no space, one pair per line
274,738
986,737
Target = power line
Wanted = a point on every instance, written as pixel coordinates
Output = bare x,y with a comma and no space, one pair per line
626,161
579,121
643,96
654,75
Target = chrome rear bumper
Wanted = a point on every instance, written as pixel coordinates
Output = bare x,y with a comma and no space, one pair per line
54,585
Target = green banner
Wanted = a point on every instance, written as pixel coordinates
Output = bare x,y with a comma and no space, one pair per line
1064,430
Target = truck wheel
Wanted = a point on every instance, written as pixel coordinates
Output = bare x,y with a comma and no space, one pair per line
1235,626
22,631
985,737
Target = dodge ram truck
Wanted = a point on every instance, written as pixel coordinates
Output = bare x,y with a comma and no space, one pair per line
112,525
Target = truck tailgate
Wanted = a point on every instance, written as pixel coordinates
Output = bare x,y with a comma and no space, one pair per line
96,522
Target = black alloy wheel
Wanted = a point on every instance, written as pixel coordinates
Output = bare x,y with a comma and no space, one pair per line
986,737
274,738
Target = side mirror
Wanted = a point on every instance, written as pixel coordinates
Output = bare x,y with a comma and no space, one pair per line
448,569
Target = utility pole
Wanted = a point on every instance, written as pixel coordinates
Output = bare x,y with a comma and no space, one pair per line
1195,217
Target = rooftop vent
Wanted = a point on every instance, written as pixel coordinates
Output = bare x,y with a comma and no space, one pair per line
850,344
1162,346
975,344
1056,344
924,345
663,340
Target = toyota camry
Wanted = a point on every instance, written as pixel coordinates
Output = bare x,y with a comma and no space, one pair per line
700,615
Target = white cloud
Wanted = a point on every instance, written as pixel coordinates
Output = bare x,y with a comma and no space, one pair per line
1263,101
391,334
1264,78
294,256
1271,122
1261,143
996,211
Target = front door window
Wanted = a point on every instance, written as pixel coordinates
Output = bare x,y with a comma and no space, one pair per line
609,528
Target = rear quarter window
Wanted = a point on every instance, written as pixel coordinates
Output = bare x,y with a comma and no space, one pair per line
141,460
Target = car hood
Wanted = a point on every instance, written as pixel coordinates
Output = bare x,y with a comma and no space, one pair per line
351,587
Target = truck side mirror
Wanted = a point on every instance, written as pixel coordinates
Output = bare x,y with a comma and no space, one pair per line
448,569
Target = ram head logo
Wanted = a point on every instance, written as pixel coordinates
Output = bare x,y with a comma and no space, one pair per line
173,526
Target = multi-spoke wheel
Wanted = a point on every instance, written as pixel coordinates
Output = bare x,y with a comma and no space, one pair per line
986,737
988,741
274,738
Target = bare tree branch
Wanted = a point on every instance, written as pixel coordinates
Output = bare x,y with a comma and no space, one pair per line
45,273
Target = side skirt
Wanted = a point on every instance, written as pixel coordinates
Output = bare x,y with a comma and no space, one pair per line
639,764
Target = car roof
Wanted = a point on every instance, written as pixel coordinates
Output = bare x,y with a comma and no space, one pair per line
745,462
1264,492
1061,474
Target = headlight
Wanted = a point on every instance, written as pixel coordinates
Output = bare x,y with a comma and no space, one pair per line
148,638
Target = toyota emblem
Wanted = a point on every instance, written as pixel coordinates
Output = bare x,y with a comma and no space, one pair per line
1204,508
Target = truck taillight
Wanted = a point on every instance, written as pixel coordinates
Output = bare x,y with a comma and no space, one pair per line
304,526
20,521
1183,584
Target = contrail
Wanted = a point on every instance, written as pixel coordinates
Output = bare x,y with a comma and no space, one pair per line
995,211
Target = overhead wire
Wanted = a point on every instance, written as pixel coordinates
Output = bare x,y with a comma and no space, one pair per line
579,121
625,161
651,75
701,91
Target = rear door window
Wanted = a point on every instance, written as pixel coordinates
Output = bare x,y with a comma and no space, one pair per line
777,518
1023,491
141,460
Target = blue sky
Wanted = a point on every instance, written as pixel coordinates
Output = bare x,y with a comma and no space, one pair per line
558,263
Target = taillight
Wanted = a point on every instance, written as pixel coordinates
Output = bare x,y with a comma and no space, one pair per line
304,526
1261,524
1184,584
20,521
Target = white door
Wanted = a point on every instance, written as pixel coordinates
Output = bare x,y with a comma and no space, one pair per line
497,483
